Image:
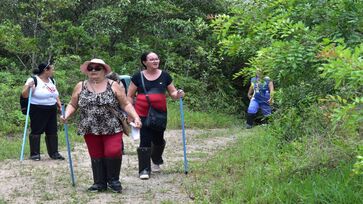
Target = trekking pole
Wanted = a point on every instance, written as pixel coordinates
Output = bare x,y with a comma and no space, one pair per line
183,133
68,148
26,125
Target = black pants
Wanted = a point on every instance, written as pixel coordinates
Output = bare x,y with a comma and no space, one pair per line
148,136
43,119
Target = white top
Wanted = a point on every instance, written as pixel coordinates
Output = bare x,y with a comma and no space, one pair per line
44,93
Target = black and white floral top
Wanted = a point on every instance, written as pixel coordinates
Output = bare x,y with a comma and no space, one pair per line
95,114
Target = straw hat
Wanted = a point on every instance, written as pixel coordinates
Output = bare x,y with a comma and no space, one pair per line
95,61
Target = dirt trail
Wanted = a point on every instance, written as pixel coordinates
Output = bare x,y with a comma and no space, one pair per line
48,181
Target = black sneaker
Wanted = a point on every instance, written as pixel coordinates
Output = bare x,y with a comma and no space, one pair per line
97,188
57,156
35,157
115,186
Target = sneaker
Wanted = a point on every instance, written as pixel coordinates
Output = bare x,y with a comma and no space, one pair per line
155,167
57,156
115,186
35,157
144,175
97,188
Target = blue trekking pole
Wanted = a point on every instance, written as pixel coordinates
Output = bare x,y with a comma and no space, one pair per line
183,133
68,148
26,125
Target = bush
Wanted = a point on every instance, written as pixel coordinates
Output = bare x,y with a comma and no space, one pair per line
12,120
201,97
294,124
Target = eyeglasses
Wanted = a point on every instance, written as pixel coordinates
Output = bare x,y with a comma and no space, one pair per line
153,59
95,68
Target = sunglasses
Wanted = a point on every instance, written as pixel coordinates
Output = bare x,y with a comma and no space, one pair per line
95,68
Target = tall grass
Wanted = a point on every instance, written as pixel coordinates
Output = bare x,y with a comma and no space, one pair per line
257,170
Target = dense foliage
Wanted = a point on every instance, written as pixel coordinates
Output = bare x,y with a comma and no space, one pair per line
118,31
312,151
313,52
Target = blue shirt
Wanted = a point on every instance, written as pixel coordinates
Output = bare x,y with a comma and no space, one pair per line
261,89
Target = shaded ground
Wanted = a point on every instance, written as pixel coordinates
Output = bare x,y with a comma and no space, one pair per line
48,181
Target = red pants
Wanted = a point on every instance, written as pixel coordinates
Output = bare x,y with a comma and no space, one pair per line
104,146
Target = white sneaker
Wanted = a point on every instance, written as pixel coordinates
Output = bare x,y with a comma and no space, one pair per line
144,175
155,167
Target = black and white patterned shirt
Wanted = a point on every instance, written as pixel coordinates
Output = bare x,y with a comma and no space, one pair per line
95,114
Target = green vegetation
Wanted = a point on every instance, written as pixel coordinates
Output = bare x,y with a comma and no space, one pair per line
309,152
256,169
312,50
118,31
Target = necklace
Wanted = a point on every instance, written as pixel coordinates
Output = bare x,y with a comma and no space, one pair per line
94,83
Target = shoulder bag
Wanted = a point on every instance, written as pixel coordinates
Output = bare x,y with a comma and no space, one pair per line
156,119
126,128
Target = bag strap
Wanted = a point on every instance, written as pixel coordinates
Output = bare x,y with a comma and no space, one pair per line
53,80
109,107
143,86
35,80
114,112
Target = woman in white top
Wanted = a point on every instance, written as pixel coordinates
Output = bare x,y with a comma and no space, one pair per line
43,111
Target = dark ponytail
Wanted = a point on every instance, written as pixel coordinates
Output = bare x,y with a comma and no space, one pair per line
41,68
144,58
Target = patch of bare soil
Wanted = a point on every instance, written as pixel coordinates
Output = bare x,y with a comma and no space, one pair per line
48,181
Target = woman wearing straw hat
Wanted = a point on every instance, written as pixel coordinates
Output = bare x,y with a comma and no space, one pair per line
96,98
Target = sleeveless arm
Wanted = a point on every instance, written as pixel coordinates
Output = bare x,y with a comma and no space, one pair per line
125,104
250,91
29,84
73,103
271,88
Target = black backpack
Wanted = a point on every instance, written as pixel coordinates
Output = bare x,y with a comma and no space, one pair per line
24,101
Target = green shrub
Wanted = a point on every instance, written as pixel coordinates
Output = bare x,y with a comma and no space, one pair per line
11,117
293,123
